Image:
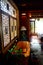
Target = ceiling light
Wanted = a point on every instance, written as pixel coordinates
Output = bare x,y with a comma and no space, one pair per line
23,14
23,28
29,14
23,4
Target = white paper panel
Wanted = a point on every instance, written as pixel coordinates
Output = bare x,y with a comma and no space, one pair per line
5,26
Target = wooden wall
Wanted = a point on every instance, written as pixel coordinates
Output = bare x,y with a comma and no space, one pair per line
24,21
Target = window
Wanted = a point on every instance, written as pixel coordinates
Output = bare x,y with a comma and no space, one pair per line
32,25
39,26
36,26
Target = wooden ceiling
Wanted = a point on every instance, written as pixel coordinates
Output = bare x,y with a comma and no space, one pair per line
24,5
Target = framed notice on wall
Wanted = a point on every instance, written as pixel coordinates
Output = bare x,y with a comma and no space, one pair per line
14,13
11,27
15,28
5,27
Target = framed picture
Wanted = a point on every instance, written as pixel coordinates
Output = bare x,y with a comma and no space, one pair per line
6,29
14,12
15,27
7,6
11,27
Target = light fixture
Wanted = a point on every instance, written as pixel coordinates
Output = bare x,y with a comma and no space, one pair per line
32,19
23,28
30,15
23,14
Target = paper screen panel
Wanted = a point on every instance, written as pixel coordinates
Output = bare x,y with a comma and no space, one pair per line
5,27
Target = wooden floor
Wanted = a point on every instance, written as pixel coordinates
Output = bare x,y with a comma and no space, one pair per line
18,60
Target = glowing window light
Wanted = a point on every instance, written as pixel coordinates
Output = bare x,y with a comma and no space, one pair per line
32,19
39,26
34,39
